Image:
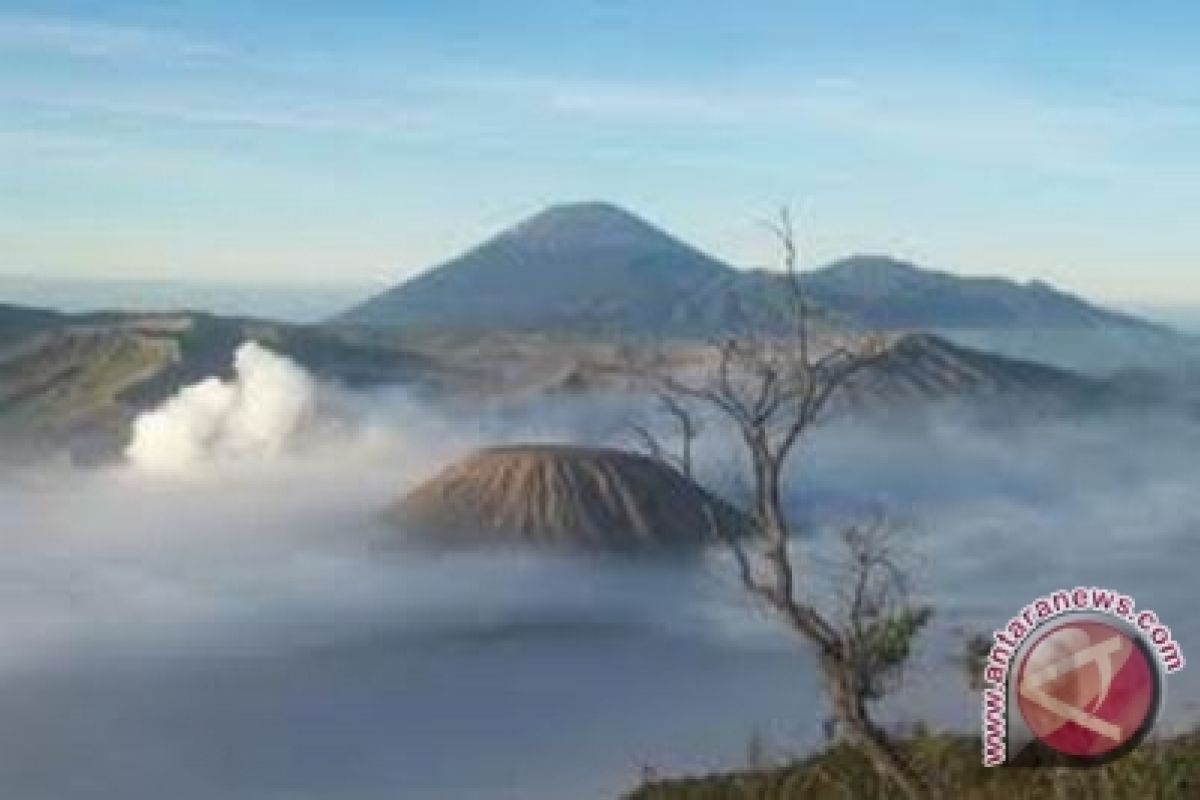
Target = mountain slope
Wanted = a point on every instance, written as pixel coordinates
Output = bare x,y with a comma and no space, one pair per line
17,322
1032,321
922,369
917,371
581,267
882,292
76,381
588,269
77,384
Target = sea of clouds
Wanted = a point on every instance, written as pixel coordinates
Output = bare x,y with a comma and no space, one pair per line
216,604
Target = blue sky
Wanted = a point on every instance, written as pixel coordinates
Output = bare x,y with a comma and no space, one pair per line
361,141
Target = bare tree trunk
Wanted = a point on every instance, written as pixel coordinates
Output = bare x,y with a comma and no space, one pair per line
772,390
850,710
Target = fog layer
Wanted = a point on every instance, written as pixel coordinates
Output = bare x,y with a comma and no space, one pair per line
212,618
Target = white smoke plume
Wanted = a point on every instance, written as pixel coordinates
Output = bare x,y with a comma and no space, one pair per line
258,414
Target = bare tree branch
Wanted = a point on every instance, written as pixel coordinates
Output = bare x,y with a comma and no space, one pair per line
773,391
685,427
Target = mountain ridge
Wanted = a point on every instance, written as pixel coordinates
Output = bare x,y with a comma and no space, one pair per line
593,267
76,385
883,291
75,381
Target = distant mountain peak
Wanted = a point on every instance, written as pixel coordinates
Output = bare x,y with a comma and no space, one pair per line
574,266
869,275
588,224
888,293
872,263
585,211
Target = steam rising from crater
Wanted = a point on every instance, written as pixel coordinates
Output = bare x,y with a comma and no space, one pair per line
258,414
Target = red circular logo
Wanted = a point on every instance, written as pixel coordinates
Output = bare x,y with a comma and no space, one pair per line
1088,689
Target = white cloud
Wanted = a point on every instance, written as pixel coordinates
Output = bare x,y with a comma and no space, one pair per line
932,116
80,38
309,113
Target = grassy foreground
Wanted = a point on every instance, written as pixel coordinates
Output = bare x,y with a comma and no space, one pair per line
1167,768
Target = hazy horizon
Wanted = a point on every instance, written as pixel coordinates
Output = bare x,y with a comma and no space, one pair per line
286,301
309,301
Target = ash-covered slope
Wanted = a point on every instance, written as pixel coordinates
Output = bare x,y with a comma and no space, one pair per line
922,369
916,371
562,496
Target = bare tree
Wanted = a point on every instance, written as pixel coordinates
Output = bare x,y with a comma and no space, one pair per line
772,386
685,427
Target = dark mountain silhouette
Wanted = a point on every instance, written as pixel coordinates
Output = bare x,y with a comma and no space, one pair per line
19,321
581,267
1032,321
593,268
882,292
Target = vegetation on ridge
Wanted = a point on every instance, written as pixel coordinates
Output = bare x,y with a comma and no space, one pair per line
1163,769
